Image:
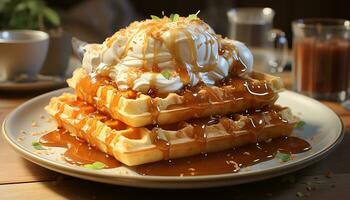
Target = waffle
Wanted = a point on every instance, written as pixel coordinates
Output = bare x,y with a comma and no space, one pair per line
135,146
138,110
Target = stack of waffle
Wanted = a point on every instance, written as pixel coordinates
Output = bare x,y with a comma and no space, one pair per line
140,125
136,128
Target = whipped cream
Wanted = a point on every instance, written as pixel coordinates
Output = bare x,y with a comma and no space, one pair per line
166,55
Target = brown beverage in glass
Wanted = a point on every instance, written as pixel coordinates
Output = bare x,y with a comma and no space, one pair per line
322,58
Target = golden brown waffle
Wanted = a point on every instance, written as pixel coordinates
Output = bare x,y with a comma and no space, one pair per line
137,109
135,146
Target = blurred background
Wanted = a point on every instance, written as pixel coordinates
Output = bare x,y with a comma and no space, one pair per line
94,20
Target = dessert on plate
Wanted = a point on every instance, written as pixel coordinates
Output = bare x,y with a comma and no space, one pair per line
170,87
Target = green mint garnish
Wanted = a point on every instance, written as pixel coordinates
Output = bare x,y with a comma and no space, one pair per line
95,165
284,157
155,17
37,146
193,16
174,17
166,74
300,124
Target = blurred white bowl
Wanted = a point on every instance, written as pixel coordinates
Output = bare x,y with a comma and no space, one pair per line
22,52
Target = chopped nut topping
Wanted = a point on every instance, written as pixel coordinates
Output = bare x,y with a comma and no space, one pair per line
34,124
191,169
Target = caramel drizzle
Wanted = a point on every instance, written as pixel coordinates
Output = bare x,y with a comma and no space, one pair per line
154,110
162,145
91,122
144,49
180,66
238,66
191,99
255,121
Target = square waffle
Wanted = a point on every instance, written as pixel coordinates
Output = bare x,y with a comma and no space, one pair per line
139,145
138,110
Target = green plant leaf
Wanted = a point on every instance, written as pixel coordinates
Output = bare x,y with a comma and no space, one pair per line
20,7
284,157
36,9
166,74
300,124
96,165
155,17
51,16
37,146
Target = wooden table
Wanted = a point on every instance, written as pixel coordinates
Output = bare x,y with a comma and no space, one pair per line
21,179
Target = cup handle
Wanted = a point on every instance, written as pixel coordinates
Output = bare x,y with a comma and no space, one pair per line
280,48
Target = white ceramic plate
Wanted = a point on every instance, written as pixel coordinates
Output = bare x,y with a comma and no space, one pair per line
323,130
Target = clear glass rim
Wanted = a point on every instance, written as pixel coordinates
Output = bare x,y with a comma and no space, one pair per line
254,9
328,23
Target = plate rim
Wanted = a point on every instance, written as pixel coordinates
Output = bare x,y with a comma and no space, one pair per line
92,174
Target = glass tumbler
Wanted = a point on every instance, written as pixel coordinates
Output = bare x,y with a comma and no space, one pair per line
254,27
321,64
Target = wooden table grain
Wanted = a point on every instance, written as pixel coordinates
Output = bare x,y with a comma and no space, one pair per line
21,179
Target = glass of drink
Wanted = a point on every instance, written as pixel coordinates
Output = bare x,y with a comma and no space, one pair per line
254,27
321,65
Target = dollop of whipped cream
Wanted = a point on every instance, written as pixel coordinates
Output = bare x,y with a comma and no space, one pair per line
166,55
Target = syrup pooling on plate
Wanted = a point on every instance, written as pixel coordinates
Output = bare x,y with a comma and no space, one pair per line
78,151
229,161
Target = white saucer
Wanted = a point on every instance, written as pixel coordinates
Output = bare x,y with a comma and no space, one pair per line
323,130
43,83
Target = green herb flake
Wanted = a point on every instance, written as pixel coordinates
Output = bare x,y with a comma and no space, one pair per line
37,146
300,124
174,17
155,17
166,74
193,16
284,157
95,165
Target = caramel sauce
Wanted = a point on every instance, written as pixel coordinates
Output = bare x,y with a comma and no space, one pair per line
78,151
87,87
246,90
199,127
161,144
229,161
144,49
238,66
181,68
154,110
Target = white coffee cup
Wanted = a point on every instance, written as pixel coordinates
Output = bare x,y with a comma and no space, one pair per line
22,52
